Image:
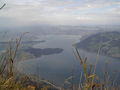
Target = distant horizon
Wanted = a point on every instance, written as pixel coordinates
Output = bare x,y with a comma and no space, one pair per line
41,27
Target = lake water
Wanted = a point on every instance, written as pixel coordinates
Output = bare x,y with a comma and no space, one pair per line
58,67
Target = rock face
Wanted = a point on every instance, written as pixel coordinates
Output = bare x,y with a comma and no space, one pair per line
109,42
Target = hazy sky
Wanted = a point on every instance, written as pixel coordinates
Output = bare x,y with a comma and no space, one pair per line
60,12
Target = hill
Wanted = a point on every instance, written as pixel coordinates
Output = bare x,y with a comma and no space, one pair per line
109,42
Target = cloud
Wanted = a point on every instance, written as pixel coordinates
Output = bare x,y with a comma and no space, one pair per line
61,12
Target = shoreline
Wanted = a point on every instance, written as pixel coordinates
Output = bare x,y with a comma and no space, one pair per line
96,53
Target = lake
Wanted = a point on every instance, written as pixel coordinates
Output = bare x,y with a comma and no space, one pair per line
58,67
